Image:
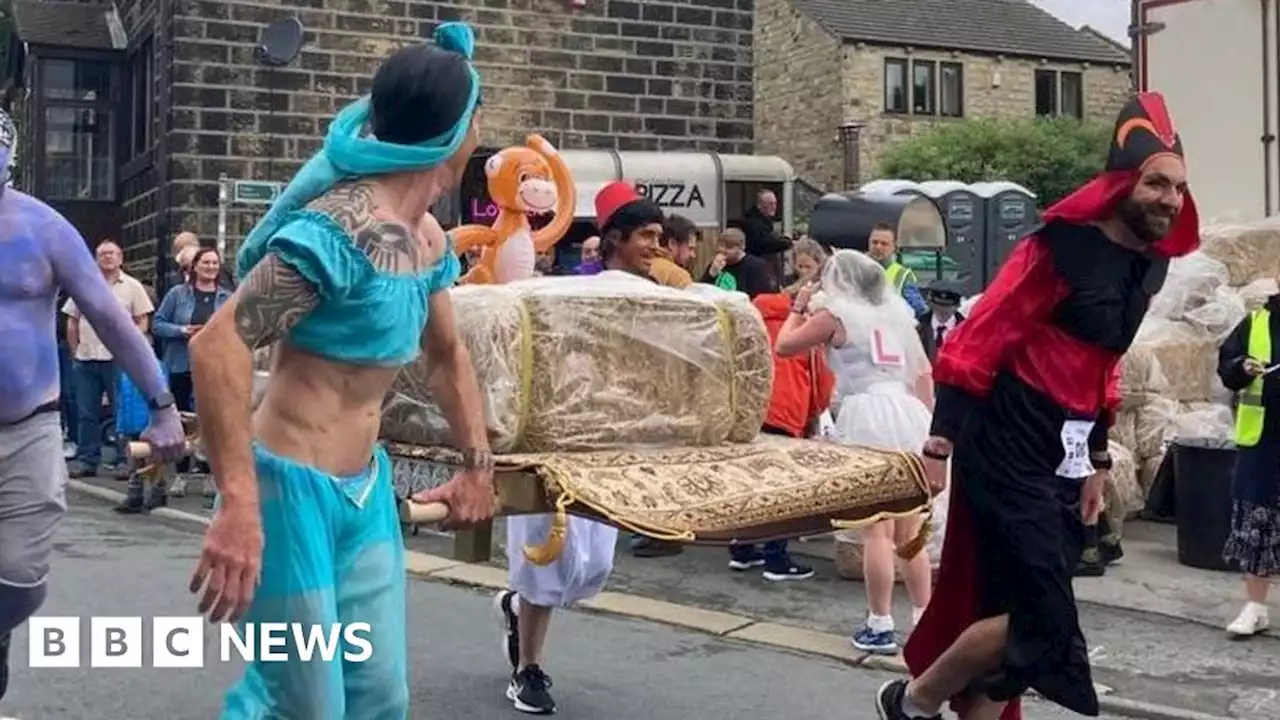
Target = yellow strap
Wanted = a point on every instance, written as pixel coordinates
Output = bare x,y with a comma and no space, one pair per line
729,338
525,370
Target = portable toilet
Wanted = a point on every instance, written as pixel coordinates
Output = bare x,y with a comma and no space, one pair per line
891,186
963,213
844,220
1011,213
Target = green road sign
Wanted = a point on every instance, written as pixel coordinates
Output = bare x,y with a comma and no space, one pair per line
256,192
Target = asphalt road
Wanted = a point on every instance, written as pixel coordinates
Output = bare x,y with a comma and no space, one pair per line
604,667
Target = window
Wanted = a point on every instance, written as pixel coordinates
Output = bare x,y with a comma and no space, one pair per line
1072,104
923,87
141,100
75,80
951,90
1046,93
895,86
1059,93
77,154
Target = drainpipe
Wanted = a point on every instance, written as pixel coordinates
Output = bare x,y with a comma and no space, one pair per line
162,46
1135,23
850,142
1268,137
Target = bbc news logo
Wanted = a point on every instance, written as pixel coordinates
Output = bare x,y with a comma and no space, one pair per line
178,642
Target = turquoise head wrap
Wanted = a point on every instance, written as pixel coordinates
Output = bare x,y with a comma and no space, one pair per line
349,153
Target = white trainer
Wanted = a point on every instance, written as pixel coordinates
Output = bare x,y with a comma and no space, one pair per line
1252,621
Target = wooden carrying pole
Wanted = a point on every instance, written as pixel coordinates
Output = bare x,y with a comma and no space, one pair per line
412,513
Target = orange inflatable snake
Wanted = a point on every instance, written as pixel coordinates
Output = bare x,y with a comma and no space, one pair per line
522,180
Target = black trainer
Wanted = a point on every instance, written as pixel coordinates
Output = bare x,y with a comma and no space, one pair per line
784,568
157,496
4,664
889,702
528,692
647,547
135,499
504,609
1110,552
1091,563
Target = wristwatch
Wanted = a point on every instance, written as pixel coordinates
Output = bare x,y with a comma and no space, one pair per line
477,459
163,401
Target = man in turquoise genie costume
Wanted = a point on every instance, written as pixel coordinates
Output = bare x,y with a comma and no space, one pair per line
347,276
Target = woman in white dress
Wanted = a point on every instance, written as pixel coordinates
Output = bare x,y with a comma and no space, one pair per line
884,392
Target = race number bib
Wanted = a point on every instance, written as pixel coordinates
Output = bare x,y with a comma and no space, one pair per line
886,350
1075,450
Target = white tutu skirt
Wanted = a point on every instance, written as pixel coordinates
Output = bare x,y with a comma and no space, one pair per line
578,574
889,417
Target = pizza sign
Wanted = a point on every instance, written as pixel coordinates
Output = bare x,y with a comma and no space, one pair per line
673,194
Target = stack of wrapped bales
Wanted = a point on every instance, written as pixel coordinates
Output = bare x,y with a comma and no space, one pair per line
1169,379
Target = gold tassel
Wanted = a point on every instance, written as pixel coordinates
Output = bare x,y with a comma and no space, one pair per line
547,553
915,545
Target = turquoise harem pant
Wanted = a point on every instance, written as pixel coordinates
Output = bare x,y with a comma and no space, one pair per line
333,553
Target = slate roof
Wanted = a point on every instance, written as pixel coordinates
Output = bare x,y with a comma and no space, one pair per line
65,24
1010,27
1105,38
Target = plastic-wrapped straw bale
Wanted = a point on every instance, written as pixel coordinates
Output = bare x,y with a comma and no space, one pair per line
1124,429
1156,422
1190,284
600,363
1248,250
1186,355
1140,377
1204,420
1256,293
1218,393
1218,316
1123,495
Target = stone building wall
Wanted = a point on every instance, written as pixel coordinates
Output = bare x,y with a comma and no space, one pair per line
630,75
799,96
809,83
993,88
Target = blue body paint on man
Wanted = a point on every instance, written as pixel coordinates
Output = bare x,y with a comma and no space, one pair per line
40,253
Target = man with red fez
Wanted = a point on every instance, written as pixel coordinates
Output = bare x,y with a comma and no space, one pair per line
1026,390
630,227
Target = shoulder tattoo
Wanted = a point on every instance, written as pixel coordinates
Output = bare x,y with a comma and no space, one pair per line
273,298
390,246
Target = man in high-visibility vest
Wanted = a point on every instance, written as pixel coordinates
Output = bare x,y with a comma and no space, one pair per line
883,246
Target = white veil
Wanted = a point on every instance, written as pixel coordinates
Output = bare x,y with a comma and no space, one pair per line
856,290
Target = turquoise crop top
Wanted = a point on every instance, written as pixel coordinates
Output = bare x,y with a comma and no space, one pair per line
365,316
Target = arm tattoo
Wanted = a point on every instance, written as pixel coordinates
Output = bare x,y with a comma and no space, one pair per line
390,246
273,299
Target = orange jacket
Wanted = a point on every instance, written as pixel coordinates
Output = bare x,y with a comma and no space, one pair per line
802,385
